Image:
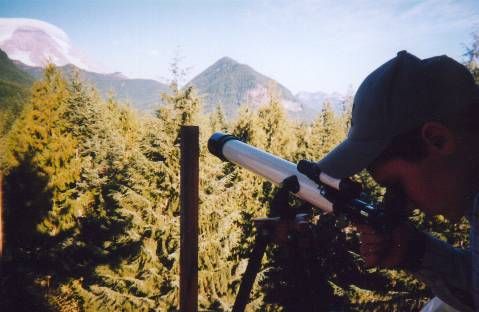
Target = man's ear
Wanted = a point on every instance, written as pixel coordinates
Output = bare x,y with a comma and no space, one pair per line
439,139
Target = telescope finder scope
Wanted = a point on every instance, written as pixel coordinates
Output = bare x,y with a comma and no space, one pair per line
347,187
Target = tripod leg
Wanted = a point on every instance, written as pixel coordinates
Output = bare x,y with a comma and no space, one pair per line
247,281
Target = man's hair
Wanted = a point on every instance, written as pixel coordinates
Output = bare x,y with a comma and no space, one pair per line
410,146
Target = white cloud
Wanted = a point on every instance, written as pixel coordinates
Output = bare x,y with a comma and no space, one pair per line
9,25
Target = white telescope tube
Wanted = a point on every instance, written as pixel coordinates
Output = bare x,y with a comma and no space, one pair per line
272,168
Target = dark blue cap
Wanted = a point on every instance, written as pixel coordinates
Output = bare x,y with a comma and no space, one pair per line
397,97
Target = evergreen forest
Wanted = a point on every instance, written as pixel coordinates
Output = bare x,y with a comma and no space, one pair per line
91,207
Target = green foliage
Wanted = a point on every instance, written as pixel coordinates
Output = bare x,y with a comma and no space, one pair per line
41,149
472,55
79,180
12,98
92,194
218,119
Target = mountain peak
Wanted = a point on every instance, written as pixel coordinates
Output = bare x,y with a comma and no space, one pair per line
226,59
231,84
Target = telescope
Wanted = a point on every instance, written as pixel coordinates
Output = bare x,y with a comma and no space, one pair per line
330,195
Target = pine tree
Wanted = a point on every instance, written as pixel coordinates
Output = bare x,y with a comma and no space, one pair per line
42,160
218,119
276,129
331,131
41,165
472,54
303,149
125,225
110,242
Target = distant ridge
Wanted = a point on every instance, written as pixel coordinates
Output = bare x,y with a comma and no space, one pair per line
143,94
314,100
226,82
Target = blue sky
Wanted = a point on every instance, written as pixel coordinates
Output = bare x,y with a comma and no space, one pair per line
324,45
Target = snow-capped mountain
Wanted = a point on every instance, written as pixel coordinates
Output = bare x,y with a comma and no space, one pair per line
35,43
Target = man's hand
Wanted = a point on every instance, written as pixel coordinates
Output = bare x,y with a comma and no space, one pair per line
388,250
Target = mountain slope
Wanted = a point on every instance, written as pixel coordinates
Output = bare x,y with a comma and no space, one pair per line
231,84
143,94
14,89
11,73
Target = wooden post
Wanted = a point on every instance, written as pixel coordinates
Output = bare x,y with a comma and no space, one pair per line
189,180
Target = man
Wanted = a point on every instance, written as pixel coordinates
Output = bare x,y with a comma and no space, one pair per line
414,127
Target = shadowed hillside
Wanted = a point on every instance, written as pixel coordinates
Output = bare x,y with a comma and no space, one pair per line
14,84
142,94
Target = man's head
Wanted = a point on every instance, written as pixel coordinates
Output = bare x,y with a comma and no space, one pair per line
412,126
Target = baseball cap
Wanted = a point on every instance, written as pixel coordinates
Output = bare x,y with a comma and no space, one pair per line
395,98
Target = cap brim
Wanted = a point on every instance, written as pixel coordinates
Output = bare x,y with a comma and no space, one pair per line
350,157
